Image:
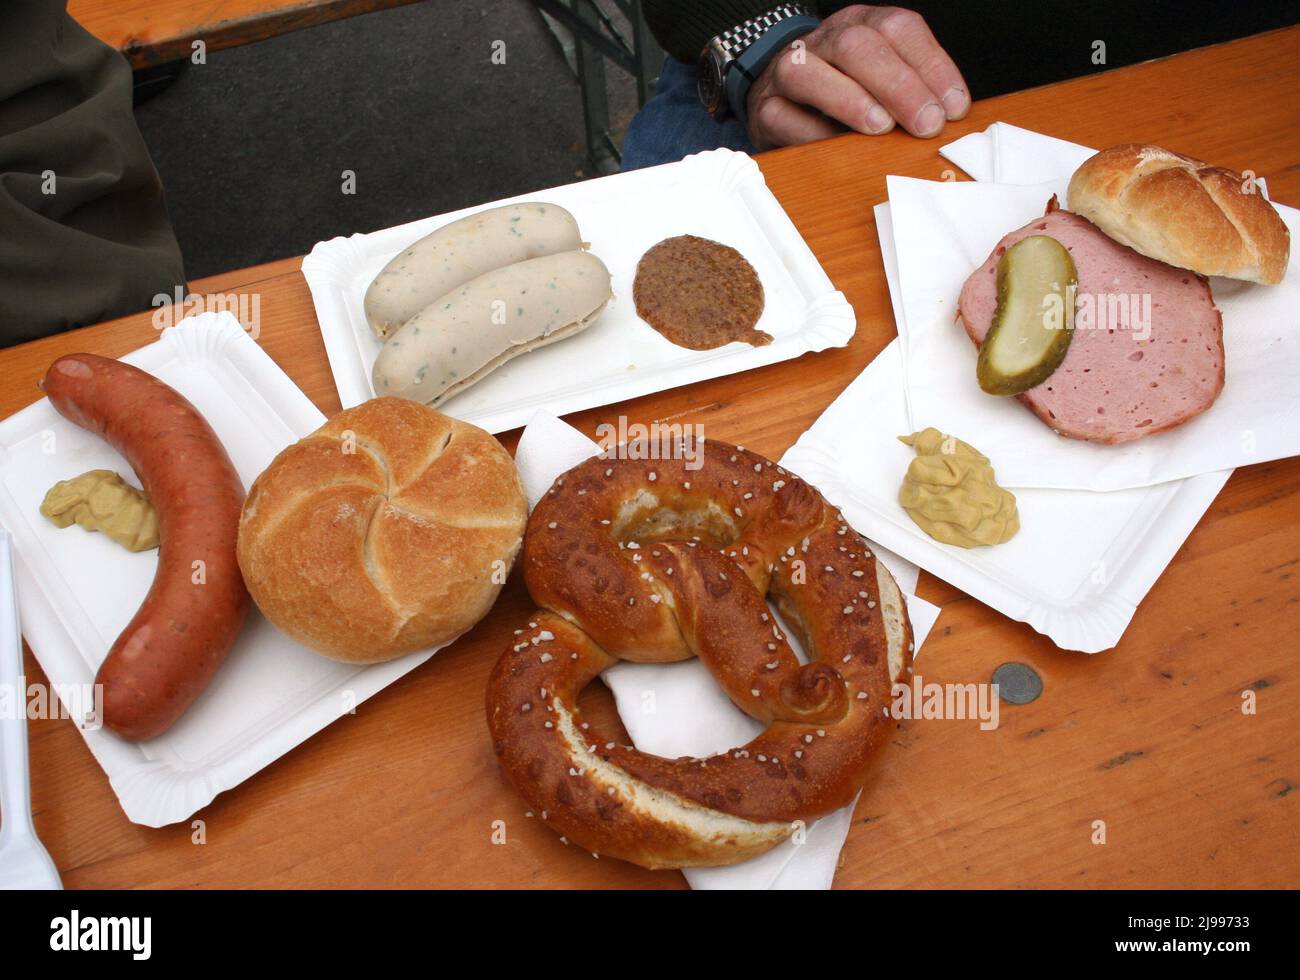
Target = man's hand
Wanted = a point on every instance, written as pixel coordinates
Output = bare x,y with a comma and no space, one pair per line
863,67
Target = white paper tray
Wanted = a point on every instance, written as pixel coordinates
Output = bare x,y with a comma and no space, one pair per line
720,194
78,590
1082,560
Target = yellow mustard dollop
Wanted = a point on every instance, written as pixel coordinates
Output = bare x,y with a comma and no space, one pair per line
951,493
100,500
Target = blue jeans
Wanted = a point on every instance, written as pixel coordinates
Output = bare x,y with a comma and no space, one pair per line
674,123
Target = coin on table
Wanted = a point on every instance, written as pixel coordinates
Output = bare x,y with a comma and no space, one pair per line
1017,683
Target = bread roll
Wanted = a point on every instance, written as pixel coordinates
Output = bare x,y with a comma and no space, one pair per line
389,529
1182,212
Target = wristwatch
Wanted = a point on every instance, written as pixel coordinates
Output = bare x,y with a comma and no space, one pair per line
731,61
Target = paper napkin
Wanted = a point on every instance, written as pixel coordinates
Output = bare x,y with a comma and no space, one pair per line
1006,154
942,231
1082,561
691,714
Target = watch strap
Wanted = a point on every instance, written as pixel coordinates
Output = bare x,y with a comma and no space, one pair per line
734,41
750,63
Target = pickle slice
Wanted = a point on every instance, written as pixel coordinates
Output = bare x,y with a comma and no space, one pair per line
1034,320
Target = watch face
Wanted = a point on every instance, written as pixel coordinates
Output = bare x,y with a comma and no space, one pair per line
709,83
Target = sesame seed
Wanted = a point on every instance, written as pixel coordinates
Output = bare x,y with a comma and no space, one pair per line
754,691
653,476
546,658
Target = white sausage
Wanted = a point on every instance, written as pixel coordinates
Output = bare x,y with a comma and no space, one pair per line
467,333
462,250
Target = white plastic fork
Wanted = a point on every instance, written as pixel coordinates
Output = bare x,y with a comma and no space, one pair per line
24,862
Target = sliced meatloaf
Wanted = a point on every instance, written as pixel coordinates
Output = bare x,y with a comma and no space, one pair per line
1114,385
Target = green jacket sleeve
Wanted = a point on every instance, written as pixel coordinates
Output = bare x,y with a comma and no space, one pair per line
84,233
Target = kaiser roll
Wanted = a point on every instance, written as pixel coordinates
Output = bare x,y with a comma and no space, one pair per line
389,529
1182,212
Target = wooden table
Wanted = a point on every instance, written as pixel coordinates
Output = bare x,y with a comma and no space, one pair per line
154,32
1149,737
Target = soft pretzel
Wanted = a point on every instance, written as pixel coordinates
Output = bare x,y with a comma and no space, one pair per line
650,560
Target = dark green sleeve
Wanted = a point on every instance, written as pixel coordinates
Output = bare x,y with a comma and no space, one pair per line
684,27
84,233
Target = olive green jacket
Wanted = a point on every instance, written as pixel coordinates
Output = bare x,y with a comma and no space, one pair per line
84,233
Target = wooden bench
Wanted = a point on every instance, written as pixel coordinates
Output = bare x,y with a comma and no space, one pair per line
154,32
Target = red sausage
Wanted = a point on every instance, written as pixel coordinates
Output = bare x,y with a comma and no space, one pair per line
168,653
